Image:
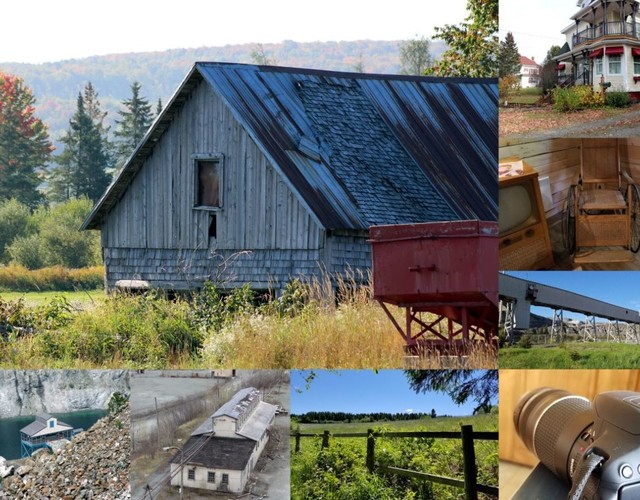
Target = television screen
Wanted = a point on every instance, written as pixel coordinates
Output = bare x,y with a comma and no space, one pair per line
516,207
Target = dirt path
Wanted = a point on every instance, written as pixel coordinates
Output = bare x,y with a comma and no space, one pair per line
544,123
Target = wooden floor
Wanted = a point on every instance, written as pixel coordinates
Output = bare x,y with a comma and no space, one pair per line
564,262
511,478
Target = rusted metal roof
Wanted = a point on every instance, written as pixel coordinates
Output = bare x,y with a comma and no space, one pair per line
356,149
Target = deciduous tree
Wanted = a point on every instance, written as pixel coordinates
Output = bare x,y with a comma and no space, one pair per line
473,44
415,58
460,385
25,147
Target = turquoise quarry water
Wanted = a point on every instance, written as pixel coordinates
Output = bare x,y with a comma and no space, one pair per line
10,428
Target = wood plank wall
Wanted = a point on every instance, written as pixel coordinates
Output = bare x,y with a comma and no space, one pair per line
259,210
557,158
630,157
560,159
515,383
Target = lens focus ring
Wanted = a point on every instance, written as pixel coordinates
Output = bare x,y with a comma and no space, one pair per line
551,424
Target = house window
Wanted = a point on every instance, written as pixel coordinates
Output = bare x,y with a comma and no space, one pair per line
615,64
51,424
225,478
208,173
636,65
211,477
191,474
598,62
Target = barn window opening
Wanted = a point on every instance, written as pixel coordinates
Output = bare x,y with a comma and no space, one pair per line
191,474
225,478
211,477
213,226
208,181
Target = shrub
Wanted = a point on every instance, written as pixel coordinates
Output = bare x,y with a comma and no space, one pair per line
27,251
525,341
14,222
617,99
576,98
117,402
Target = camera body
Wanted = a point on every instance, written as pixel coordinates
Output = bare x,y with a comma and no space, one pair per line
562,429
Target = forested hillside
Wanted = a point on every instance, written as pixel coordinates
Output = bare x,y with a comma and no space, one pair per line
56,85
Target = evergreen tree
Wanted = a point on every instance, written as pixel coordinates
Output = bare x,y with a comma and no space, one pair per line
82,166
159,107
548,73
508,57
415,58
136,118
25,147
473,45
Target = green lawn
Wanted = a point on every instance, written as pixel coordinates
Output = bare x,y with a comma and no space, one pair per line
80,299
572,355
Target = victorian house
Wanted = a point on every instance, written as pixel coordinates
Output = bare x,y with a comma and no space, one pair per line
602,46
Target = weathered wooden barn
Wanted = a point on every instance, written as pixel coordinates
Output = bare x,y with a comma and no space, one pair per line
255,174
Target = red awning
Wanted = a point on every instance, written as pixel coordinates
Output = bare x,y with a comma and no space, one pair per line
613,51
560,67
635,52
596,53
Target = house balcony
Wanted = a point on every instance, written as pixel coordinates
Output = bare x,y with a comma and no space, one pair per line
612,28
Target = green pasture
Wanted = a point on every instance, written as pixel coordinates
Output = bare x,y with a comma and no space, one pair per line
572,355
80,299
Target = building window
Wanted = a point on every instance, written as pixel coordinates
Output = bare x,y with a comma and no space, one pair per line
51,424
211,477
598,62
208,172
225,478
615,64
191,474
636,65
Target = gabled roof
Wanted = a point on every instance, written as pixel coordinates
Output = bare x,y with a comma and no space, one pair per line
231,408
217,453
525,61
40,424
356,149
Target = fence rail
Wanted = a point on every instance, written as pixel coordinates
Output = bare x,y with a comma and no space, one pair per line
467,435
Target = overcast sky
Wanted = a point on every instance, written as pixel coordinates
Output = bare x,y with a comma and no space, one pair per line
44,31
536,25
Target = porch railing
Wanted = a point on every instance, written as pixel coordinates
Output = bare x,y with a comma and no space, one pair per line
608,28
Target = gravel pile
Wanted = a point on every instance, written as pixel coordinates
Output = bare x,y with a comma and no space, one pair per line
94,465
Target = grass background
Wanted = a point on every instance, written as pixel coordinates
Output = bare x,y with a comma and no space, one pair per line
572,355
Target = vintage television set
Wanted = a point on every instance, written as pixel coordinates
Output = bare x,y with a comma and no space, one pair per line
524,237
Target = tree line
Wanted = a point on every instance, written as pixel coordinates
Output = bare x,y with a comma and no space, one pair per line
323,417
31,174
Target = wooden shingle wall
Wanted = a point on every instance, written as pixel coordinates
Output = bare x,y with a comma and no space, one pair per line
516,383
557,158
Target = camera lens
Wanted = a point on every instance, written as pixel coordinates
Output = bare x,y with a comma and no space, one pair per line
552,423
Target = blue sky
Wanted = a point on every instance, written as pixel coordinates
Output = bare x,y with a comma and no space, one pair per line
364,391
621,288
44,31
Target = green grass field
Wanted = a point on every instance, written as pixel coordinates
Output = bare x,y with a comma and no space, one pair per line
572,355
480,422
79,299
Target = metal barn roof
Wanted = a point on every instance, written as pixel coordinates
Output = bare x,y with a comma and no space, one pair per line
357,149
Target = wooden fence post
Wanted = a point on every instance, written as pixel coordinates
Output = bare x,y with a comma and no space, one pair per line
371,445
325,439
297,441
469,458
